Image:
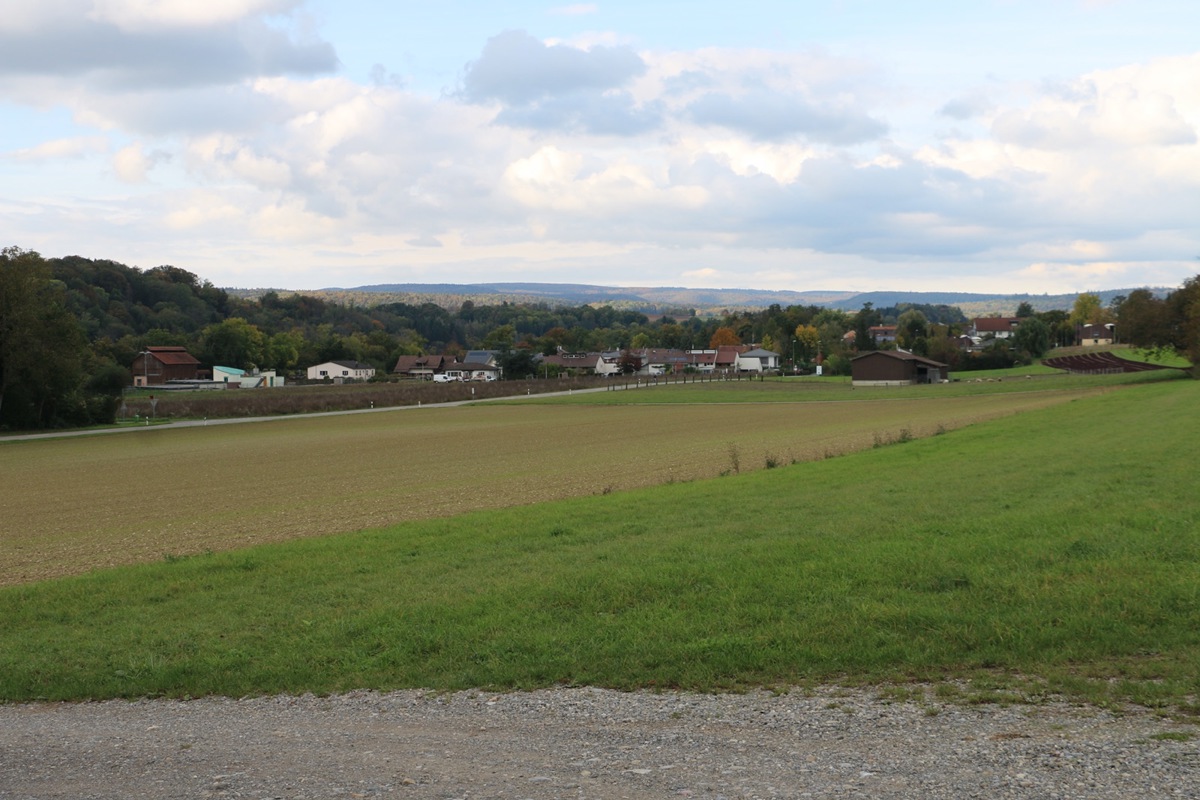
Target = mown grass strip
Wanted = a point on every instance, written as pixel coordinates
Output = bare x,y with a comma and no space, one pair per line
1060,545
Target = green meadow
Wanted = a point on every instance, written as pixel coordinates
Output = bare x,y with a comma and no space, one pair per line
1055,551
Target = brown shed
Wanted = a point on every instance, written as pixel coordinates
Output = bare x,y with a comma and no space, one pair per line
895,368
157,365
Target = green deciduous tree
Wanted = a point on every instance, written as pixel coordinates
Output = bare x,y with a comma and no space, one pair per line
1184,308
807,338
518,364
1143,320
1088,310
1033,337
233,343
502,337
910,326
282,350
42,347
866,318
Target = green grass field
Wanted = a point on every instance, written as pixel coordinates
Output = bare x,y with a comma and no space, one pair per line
149,493
1051,551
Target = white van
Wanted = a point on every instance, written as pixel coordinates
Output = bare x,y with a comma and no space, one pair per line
441,377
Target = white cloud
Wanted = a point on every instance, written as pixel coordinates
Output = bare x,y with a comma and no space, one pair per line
132,45
56,149
141,15
202,209
713,165
131,164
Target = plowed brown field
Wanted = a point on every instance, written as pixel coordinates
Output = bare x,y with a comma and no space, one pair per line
72,505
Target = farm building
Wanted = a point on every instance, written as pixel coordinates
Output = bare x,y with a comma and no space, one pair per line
895,368
1096,333
232,377
157,365
339,371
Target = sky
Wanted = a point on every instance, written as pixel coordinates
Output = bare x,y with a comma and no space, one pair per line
993,146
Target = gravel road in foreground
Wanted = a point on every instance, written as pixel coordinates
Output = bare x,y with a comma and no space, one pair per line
589,743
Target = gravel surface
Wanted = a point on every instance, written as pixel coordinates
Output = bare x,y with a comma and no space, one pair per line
590,743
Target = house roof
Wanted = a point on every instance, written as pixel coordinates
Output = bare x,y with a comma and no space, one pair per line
727,354
900,355
758,352
995,324
172,355
352,364
430,361
663,355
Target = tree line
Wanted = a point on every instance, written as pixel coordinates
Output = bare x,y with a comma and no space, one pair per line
71,327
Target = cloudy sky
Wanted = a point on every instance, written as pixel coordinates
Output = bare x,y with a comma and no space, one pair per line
997,145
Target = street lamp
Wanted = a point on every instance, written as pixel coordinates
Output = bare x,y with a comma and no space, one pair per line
145,354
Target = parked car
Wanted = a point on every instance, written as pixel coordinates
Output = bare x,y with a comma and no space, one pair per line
441,377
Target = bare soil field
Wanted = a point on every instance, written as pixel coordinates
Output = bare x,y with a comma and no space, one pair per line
77,504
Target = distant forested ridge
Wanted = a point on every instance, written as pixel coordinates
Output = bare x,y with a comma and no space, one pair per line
702,302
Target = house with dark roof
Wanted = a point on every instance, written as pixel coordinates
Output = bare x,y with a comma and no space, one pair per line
882,333
895,368
155,366
996,327
479,371
489,357
663,360
702,360
727,357
423,367
573,363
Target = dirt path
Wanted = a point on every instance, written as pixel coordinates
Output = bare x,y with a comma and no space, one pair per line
587,743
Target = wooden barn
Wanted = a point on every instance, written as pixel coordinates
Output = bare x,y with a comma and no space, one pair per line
157,365
895,368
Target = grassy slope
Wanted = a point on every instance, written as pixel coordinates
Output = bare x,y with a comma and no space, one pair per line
1060,544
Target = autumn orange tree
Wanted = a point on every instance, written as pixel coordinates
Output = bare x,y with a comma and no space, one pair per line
723,337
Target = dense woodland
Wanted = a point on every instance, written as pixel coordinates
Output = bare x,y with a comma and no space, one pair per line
70,327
